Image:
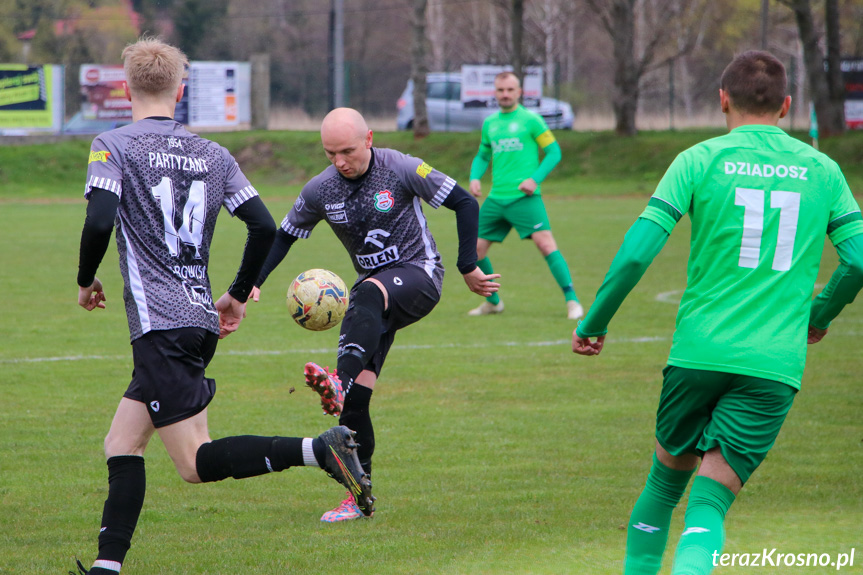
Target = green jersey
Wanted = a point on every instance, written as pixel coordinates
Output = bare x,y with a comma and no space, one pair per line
760,203
512,140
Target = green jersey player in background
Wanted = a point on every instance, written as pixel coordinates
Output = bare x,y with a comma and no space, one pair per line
511,140
760,203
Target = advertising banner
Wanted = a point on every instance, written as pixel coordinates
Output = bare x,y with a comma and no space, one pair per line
27,97
103,96
212,94
852,74
477,85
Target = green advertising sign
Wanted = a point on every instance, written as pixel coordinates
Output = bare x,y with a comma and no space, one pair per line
25,96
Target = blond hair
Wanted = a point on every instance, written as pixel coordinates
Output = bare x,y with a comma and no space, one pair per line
153,67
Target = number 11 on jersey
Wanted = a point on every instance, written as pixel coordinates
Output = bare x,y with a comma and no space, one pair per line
752,201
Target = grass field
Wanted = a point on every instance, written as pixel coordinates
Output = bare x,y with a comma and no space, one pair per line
498,450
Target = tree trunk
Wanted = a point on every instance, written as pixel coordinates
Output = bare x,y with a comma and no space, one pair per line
814,60
517,26
626,74
419,69
835,85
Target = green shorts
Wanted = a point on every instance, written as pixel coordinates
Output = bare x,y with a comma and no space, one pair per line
739,414
527,215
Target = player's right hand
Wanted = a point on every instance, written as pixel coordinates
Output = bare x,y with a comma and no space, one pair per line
480,283
255,294
231,313
92,296
583,345
815,335
475,188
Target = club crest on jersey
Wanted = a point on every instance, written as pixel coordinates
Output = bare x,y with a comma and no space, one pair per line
384,201
99,157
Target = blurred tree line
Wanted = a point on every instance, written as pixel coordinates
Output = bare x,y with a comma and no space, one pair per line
678,47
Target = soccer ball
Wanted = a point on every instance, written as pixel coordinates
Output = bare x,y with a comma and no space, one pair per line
318,299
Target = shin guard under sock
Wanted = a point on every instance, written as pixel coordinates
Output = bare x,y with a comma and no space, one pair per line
704,532
485,265
244,456
356,416
647,532
359,343
127,484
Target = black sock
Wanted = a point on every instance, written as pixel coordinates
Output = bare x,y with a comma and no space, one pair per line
127,484
361,340
244,456
356,416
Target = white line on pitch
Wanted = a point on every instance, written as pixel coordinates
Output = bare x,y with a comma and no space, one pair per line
264,352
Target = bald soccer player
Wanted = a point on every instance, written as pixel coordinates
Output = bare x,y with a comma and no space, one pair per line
371,198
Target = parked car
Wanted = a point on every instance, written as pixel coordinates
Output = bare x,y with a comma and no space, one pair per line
447,113
78,124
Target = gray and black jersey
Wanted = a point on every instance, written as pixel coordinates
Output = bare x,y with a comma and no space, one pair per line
171,184
378,217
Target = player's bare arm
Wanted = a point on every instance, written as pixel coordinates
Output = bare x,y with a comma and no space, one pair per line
92,296
480,283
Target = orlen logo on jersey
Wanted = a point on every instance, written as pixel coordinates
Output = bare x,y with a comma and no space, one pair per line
376,260
384,201
381,258
99,157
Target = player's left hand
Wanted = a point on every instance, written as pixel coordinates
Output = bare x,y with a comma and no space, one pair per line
583,345
480,283
528,187
92,296
231,313
815,335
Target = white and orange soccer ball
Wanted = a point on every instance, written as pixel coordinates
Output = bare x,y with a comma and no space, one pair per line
318,299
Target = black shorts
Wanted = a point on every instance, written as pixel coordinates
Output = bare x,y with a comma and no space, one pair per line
412,296
168,375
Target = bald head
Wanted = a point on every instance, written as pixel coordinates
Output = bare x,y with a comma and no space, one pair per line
347,141
344,121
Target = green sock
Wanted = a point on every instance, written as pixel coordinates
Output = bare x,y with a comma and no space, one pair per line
560,271
704,531
647,533
485,265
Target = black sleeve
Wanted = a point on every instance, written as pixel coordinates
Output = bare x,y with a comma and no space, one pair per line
280,248
262,229
101,211
466,211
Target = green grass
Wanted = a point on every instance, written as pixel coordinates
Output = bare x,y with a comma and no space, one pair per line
498,450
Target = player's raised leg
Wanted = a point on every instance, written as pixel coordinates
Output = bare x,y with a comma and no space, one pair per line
358,342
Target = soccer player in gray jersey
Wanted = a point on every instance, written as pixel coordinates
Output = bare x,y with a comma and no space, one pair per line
164,187
371,198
